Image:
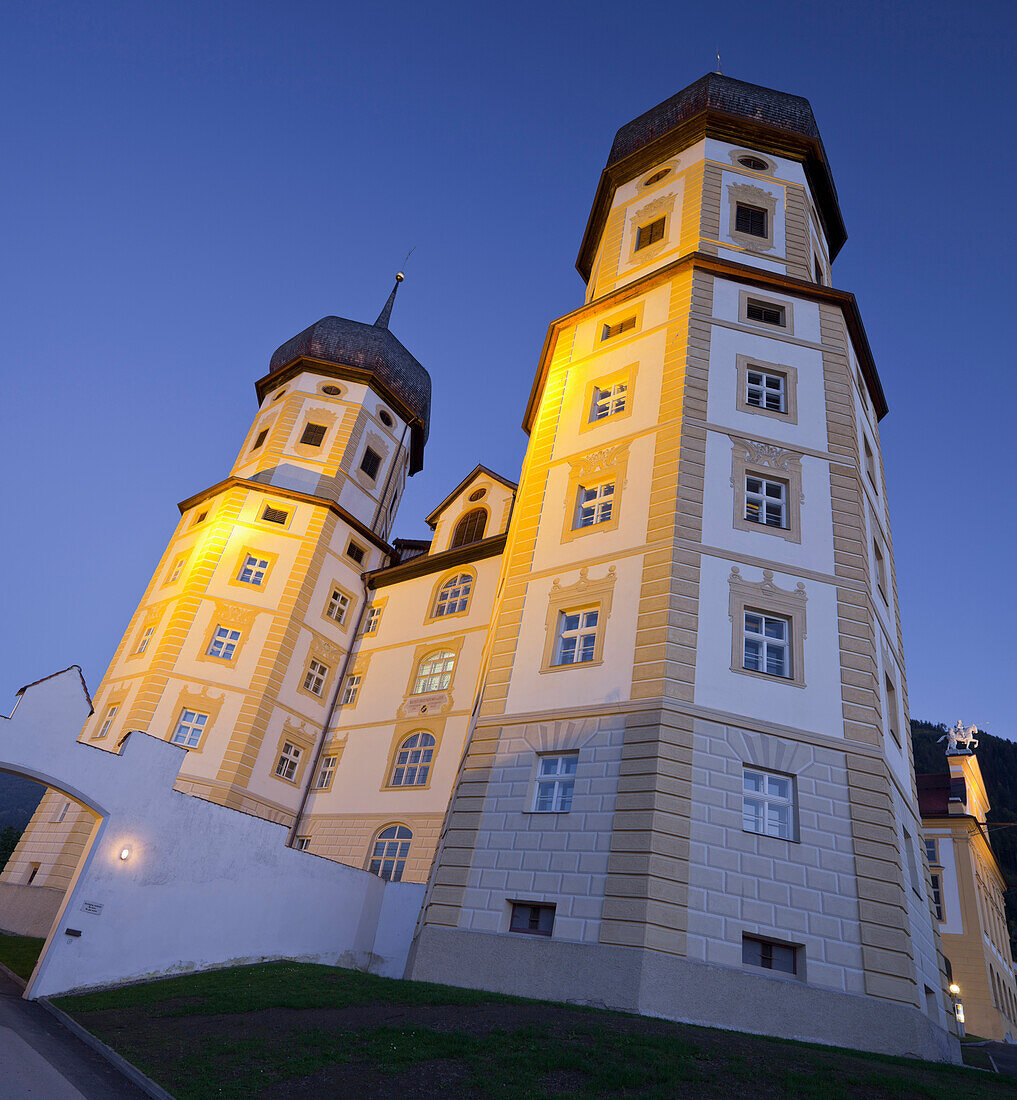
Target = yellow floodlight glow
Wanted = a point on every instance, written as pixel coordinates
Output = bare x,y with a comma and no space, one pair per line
954,988
125,852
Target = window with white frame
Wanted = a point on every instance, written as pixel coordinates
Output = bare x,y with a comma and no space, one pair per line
145,639
453,596
338,606
594,505
937,897
371,621
609,401
767,644
224,643
289,760
434,673
556,780
768,803
413,761
253,570
769,955
577,636
302,843
388,855
111,713
931,854
325,772
350,690
178,568
314,678
190,726
765,390
765,501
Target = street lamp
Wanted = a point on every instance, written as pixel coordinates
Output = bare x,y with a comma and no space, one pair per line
958,1008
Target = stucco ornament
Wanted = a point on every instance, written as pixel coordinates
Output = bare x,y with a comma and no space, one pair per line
961,739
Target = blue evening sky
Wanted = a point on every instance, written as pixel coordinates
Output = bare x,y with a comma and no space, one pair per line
187,185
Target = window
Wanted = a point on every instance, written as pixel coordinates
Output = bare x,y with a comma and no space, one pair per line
413,761
766,313
190,726
770,956
332,391
469,529
302,843
556,780
768,804
767,644
817,269
386,418
577,636
62,813
326,772
388,857
314,678
200,518
870,461
608,402
649,234
755,164
371,462
111,713
145,639
262,436
434,673
350,689
532,920
618,328
937,897
750,219
593,505
909,854
930,852
877,557
892,714
765,501
289,758
33,871
355,553
178,568
372,620
274,515
764,390
313,435
656,177
453,596
477,494
253,570
224,643
338,606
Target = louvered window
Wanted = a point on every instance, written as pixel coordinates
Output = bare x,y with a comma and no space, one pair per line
313,434
750,219
648,234
370,463
262,436
618,329
765,312
274,515
356,553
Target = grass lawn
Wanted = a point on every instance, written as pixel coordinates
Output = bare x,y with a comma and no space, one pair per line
18,953
296,1030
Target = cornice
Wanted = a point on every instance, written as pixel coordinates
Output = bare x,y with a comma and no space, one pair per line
434,563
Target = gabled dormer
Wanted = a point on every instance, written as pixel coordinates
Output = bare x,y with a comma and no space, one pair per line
478,508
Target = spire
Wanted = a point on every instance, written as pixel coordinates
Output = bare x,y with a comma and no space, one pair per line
386,310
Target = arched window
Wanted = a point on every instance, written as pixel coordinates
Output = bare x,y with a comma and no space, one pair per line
388,856
413,761
470,528
434,673
453,596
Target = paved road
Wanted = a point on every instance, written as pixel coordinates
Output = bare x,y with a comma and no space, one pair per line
1004,1055
41,1060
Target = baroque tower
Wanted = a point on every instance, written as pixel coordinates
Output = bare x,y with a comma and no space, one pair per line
688,788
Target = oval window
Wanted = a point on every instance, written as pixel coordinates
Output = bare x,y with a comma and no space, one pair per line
656,177
478,494
387,420
332,391
754,163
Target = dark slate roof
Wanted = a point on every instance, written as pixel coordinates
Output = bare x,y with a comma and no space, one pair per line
718,93
368,348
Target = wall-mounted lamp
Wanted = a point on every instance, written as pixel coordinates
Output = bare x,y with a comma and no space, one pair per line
954,989
125,852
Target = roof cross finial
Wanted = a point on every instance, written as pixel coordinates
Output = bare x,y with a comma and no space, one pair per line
386,310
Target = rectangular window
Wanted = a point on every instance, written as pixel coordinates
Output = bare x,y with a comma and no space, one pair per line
302,843
649,234
224,643
618,328
765,390
750,219
930,852
338,606
355,553
765,501
62,813
326,772
253,570
350,690
372,620
870,461
262,436
768,804
577,636
190,726
892,714
767,644
178,568
370,463
937,897
313,435
314,678
33,870
274,515
145,639
770,956
594,505
107,721
877,556
533,920
608,402
817,268
912,863
766,313
556,779
289,758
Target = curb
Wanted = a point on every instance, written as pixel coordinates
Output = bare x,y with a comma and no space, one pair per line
16,978
131,1072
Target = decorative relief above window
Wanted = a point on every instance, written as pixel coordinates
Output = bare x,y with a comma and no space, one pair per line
752,214
767,629
757,470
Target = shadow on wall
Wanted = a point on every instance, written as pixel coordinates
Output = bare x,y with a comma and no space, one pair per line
171,883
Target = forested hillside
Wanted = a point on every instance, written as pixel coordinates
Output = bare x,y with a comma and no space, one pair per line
18,799
997,758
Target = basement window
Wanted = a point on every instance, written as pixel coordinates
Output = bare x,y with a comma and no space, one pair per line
532,920
769,955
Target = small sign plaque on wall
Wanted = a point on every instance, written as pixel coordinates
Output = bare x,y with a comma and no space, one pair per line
91,907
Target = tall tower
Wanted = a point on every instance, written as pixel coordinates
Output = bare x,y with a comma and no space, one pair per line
239,641
688,790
